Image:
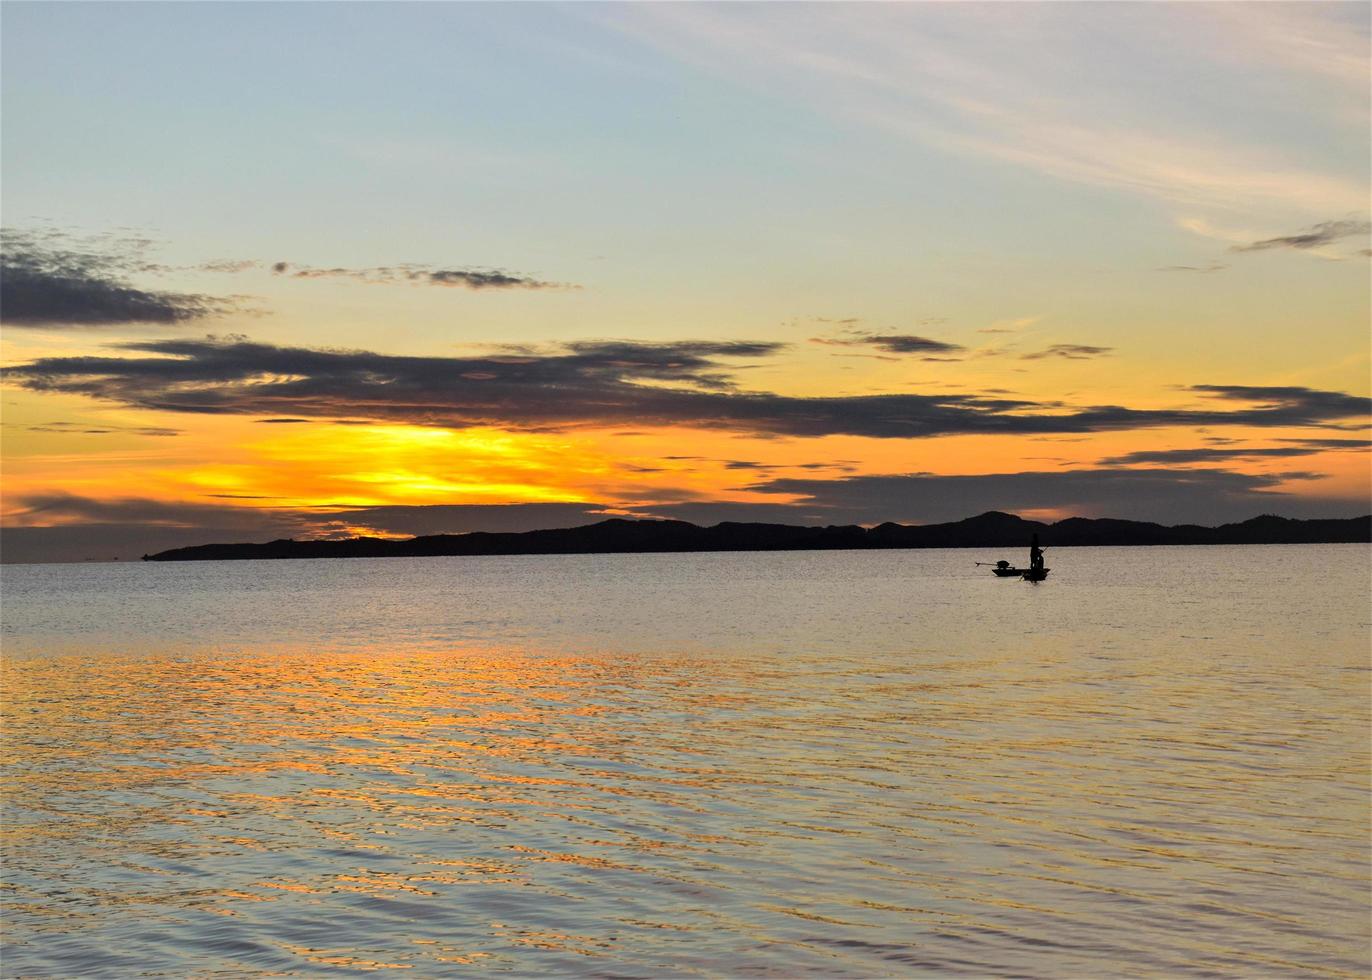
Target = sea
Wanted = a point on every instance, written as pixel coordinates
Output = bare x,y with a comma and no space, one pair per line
836,764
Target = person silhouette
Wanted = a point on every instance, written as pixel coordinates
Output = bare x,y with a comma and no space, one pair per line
1035,555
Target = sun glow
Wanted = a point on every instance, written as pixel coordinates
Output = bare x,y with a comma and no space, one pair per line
318,465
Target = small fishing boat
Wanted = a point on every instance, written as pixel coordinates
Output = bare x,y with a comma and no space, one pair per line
1034,573
1003,569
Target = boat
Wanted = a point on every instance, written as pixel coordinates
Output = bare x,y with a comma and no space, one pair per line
1003,569
1034,573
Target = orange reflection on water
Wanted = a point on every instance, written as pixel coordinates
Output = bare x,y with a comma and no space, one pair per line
502,807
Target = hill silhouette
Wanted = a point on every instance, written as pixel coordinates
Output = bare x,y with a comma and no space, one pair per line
618,535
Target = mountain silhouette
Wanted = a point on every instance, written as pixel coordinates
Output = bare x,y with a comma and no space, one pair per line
619,535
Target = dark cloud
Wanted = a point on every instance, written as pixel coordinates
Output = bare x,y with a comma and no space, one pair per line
892,343
601,383
1213,454
1332,443
1203,496
46,508
706,513
104,542
1073,352
1327,404
1207,455
421,274
476,279
86,528
1321,234
48,279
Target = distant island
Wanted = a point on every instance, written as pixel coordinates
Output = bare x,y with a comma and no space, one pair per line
989,530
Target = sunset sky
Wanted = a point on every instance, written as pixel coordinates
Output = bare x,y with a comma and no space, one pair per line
289,270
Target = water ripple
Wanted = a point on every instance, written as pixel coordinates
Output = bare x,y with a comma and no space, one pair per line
859,806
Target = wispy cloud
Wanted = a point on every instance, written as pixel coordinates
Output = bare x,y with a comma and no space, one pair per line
1212,267
1005,82
54,279
892,343
1324,233
102,429
1070,352
1011,326
421,275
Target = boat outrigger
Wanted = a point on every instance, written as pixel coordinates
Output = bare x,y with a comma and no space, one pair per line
1034,573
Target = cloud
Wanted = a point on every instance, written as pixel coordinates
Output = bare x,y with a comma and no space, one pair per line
58,527
1072,352
1212,267
1003,82
1332,443
892,343
464,518
599,383
229,265
1207,455
1329,404
423,275
1202,496
475,279
1011,326
101,429
1322,234
706,513
48,279
68,527
36,509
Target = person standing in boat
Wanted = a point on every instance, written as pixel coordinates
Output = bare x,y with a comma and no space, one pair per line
1035,555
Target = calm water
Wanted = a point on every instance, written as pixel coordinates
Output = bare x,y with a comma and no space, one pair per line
890,763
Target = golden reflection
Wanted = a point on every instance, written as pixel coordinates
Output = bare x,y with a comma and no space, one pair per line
478,807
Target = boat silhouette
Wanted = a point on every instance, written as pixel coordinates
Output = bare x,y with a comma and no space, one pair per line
1036,572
